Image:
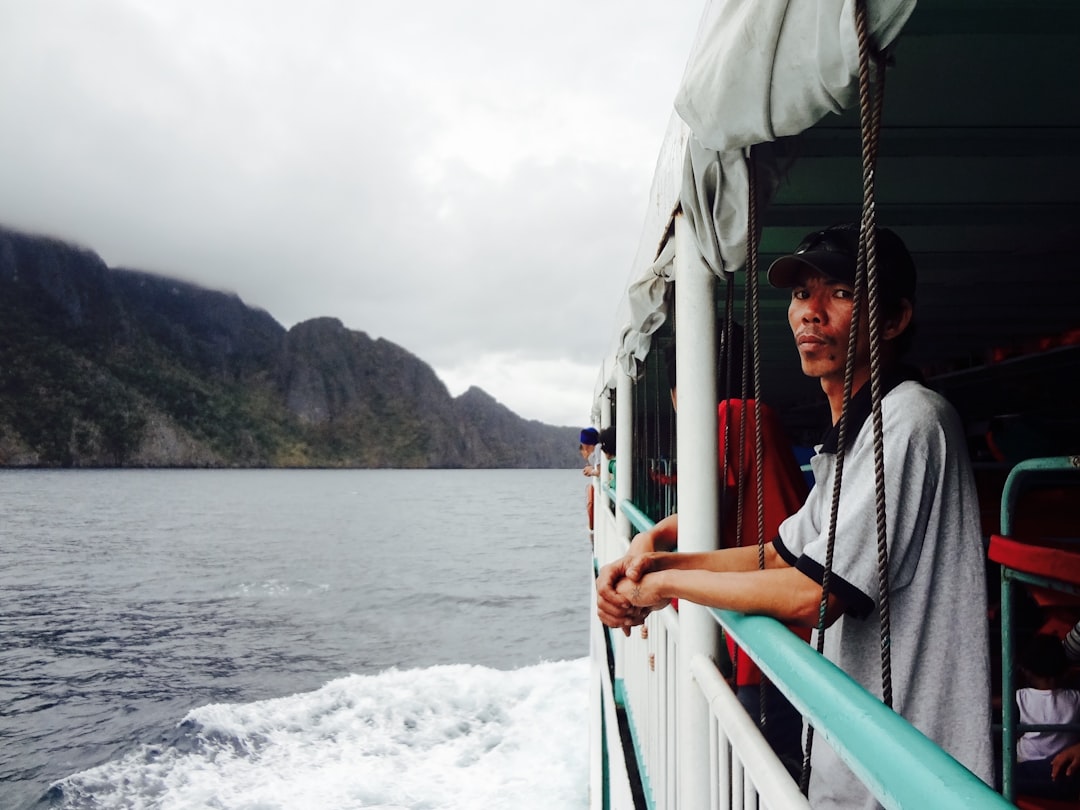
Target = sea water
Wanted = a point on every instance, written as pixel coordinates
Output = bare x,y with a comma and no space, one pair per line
286,640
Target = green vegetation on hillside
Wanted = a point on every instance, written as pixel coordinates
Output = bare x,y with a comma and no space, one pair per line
120,368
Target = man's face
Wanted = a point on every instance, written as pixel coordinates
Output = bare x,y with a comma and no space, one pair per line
820,318
586,450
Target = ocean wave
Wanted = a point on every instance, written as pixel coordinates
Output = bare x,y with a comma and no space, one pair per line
457,737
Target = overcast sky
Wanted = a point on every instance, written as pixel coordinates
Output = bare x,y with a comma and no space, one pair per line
465,179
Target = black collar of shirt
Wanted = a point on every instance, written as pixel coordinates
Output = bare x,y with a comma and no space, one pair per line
859,407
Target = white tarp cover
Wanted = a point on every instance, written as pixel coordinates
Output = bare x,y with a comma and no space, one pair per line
715,199
641,311
760,70
763,69
645,297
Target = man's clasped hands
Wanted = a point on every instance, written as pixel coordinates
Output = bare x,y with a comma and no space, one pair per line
628,589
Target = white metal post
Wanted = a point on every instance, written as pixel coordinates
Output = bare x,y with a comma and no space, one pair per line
696,437
605,523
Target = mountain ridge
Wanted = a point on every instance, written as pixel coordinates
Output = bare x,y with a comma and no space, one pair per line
118,367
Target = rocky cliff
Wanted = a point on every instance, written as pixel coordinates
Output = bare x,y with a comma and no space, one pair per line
110,367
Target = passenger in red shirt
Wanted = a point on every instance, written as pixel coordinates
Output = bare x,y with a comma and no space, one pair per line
785,489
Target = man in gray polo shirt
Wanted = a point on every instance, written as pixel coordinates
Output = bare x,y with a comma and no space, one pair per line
937,590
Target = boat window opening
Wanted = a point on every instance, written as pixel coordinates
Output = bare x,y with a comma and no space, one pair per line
653,471
607,475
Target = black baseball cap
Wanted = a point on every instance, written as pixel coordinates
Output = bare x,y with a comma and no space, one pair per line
834,253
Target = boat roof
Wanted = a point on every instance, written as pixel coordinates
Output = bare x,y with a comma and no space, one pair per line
978,171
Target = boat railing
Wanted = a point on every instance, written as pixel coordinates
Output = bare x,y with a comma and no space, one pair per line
899,765
744,771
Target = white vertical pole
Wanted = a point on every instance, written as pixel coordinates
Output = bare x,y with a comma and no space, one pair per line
597,660
612,531
624,444
696,438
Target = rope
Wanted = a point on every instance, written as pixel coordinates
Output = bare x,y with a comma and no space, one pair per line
871,102
841,448
727,384
753,308
870,106
653,480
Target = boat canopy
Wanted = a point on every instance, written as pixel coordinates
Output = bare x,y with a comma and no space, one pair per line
758,74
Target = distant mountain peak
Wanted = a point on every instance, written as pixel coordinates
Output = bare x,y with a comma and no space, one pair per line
121,367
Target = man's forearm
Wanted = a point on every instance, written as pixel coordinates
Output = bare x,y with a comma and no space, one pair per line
782,593
663,536
744,558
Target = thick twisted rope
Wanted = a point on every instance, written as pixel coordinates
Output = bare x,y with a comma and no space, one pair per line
870,106
871,102
753,308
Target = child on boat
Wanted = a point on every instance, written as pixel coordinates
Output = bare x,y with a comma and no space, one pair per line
1045,700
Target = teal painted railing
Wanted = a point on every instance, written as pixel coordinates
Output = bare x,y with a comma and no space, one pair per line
1023,474
638,519
902,768
900,765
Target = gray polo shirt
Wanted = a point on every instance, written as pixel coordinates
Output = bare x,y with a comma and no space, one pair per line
937,586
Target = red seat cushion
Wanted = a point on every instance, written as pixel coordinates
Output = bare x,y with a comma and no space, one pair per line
1046,559
1033,803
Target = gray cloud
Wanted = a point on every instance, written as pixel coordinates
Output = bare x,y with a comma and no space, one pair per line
467,180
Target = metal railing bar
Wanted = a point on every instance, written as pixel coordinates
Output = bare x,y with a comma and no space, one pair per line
897,763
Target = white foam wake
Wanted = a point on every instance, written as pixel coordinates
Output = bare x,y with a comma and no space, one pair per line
456,737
